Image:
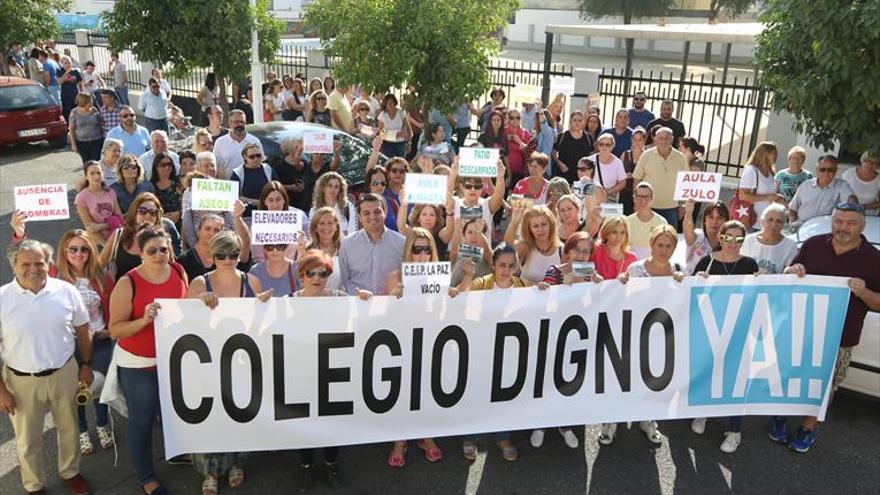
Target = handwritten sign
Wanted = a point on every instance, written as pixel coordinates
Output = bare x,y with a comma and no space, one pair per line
317,142
393,136
562,84
478,162
214,195
420,279
525,93
425,189
611,210
699,186
43,202
275,227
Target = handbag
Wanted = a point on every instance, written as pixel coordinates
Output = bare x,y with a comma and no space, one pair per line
114,222
743,210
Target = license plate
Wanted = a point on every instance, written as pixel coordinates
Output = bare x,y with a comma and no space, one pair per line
39,131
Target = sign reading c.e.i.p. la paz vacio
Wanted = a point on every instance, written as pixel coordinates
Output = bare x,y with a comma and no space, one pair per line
214,195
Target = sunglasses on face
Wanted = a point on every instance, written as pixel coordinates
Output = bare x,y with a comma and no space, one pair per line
317,273
78,249
472,187
223,256
153,250
377,183
125,115
604,145
829,170
730,238
165,164
421,250
321,98
142,210
129,167
274,247
642,197
255,156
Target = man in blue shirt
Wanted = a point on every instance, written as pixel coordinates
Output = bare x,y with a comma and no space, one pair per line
51,71
135,139
153,104
639,115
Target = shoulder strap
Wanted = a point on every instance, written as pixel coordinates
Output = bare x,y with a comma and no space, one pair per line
290,278
709,266
599,171
208,282
244,281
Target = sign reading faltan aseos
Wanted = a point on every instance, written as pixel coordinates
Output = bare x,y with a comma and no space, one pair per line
214,195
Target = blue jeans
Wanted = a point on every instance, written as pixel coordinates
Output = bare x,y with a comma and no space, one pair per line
121,95
141,390
736,424
156,124
55,90
670,214
102,352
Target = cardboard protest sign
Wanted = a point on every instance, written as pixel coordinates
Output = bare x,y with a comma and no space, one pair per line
478,162
562,84
421,279
425,189
317,142
42,202
275,227
214,195
700,186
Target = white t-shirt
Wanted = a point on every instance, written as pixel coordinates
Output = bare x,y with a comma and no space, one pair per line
228,152
771,259
92,301
766,185
91,82
393,127
866,191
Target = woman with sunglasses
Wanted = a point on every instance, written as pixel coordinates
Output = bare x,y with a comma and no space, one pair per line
539,246
252,176
318,113
121,252
325,236
571,146
535,185
198,261
131,181
429,218
395,126
505,263
469,198
132,311
701,242
629,158
772,250
377,180
362,125
729,260
517,142
612,256
274,198
332,190
165,185
419,248
663,240
612,176
224,281
96,204
78,264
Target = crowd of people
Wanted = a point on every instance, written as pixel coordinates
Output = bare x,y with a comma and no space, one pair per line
542,220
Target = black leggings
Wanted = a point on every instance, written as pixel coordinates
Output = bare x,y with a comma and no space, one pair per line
308,455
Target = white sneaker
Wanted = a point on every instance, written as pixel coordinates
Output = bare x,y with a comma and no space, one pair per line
105,437
570,438
651,431
85,443
607,434
537,438
731,442
698,426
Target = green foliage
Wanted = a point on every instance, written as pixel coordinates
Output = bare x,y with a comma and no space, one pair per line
442,47
188,34
27,21
821,59
629,9
731,8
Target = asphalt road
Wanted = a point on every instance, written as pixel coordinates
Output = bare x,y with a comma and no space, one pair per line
846,458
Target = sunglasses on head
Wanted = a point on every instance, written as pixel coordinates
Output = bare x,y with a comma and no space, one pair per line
730,238
274,247
78,249
143,210
223,256
421,250
317,273
153,250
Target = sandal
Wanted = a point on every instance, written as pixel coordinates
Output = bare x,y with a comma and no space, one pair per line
469,450
397,458
508,450
209,486
236,476
432,451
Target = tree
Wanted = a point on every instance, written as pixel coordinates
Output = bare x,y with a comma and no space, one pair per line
27,21
730,8
821,59
442,47
183,35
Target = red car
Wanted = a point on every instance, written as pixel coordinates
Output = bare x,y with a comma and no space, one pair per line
28,113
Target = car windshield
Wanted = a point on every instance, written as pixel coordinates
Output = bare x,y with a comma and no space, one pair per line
24,97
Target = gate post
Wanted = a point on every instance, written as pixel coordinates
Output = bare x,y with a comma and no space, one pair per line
548,57
759,115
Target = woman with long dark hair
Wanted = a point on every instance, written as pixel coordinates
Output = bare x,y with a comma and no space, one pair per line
166,185
208,97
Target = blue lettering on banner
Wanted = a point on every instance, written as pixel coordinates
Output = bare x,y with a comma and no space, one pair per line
763,344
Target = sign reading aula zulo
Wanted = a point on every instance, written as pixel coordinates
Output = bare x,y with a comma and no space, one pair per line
299,373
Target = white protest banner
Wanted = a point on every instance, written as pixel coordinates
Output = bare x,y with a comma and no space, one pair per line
275,227
561,84
420,279
698,186
317,142
42,202
214,195
426,189
307,372
478,162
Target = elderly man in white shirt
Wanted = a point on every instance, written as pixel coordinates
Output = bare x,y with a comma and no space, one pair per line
153,104
42,321
158,144
228,148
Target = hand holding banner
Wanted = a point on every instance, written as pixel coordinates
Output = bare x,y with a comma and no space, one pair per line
214,195
425,189
42,202
699,186
478,162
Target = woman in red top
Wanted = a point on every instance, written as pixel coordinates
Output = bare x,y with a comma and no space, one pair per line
612,257
132,311
517,141
535,185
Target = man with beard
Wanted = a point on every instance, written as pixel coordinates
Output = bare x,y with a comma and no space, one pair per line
666,120
638,114
228,148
